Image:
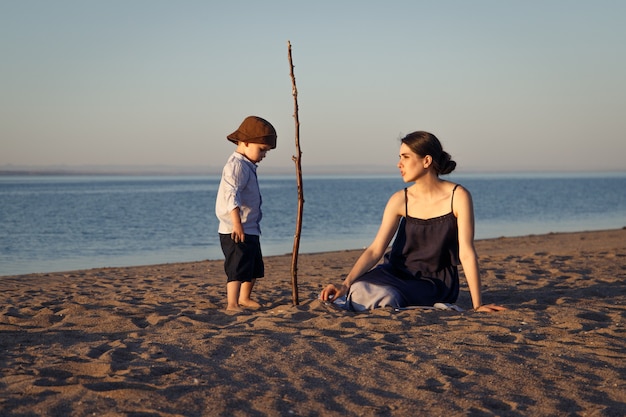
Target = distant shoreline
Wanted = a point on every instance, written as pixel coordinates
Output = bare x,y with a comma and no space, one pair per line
267,170
193,170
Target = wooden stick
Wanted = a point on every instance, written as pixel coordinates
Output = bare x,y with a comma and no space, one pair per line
296,160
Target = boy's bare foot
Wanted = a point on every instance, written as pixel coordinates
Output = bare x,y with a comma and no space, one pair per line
249,304
235,309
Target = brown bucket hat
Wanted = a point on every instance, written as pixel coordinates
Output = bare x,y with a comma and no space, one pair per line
254,129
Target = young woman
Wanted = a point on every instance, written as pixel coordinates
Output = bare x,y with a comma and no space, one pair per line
434,220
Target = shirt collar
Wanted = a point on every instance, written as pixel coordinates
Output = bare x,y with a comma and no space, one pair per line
243,158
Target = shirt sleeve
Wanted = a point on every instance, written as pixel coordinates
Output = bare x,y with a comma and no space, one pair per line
233,177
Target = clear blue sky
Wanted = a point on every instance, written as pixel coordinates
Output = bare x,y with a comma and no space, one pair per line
506,85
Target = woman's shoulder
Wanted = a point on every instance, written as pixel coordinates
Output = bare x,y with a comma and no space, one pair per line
461,198
456,188
397,199
398,195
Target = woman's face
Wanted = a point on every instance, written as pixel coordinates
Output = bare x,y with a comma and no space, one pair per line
411,165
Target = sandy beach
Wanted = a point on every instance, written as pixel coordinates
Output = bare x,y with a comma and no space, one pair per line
156,340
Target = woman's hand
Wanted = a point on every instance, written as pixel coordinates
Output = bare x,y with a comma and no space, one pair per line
332,292
490,308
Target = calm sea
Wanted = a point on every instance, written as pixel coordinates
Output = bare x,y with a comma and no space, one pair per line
61,223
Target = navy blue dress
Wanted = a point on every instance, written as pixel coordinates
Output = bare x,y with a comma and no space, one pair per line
420,270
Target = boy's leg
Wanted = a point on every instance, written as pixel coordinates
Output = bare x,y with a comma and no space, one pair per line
233,290
232,258
242,261
244,295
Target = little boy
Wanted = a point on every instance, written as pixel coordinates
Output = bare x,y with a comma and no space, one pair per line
238,208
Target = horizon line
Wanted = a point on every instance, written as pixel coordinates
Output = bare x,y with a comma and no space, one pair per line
162,169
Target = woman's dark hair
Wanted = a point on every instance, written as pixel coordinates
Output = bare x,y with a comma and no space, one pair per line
424,143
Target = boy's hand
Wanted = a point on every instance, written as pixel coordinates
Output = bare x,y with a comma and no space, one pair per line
237,235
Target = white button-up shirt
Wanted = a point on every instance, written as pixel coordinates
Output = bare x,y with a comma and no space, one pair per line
239,188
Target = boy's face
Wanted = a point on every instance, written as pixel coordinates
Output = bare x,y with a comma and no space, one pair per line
255,152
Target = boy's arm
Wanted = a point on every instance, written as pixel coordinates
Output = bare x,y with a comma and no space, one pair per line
237,235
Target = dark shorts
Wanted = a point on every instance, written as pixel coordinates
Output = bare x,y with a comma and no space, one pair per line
243,261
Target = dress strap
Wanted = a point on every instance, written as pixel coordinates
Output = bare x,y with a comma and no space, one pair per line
406,203
452,199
